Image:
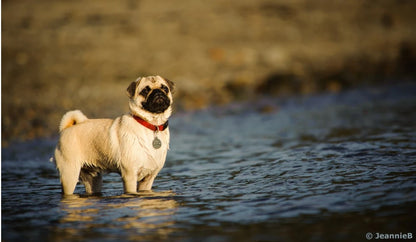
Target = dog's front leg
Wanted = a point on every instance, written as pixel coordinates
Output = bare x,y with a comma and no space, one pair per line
129,182
147,182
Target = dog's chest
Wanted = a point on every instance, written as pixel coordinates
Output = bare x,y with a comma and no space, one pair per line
152,157
154,160
155,156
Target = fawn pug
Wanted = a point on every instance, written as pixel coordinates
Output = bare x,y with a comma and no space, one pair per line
134,145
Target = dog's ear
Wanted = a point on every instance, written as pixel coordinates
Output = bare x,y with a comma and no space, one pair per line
171,85
131,90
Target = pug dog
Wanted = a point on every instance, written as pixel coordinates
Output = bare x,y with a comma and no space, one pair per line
134,145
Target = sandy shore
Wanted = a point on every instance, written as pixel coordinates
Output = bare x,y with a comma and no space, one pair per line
58,56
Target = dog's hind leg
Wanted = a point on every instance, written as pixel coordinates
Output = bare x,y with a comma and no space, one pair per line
92,181
69,178
69,169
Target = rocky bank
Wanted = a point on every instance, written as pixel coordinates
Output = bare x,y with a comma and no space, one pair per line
62,55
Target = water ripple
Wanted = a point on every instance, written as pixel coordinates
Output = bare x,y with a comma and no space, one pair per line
244,175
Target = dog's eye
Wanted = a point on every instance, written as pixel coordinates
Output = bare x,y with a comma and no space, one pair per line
145,91
165,88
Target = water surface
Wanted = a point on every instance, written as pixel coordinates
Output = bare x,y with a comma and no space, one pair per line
326,167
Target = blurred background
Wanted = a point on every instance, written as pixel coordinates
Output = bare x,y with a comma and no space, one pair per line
63,55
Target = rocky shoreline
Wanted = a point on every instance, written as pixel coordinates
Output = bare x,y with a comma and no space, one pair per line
58,56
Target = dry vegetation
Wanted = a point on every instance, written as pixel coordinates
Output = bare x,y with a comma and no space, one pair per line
62,55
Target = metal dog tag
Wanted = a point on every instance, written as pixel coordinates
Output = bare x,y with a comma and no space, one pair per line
156,143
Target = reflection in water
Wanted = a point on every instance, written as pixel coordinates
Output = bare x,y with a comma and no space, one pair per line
333,166
147,215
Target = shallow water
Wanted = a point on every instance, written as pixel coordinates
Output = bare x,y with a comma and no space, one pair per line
326,167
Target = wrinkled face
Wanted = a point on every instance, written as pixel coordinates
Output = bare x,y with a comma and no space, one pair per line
152,94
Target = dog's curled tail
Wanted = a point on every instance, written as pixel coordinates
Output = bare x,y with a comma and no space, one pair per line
71,118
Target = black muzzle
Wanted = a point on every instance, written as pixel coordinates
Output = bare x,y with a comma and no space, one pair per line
156,102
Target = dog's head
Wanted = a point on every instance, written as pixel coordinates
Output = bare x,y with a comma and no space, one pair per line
151,98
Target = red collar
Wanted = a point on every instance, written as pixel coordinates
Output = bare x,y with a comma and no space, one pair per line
149,125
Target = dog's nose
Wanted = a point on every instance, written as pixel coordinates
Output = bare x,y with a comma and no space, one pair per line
157,95
158,92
